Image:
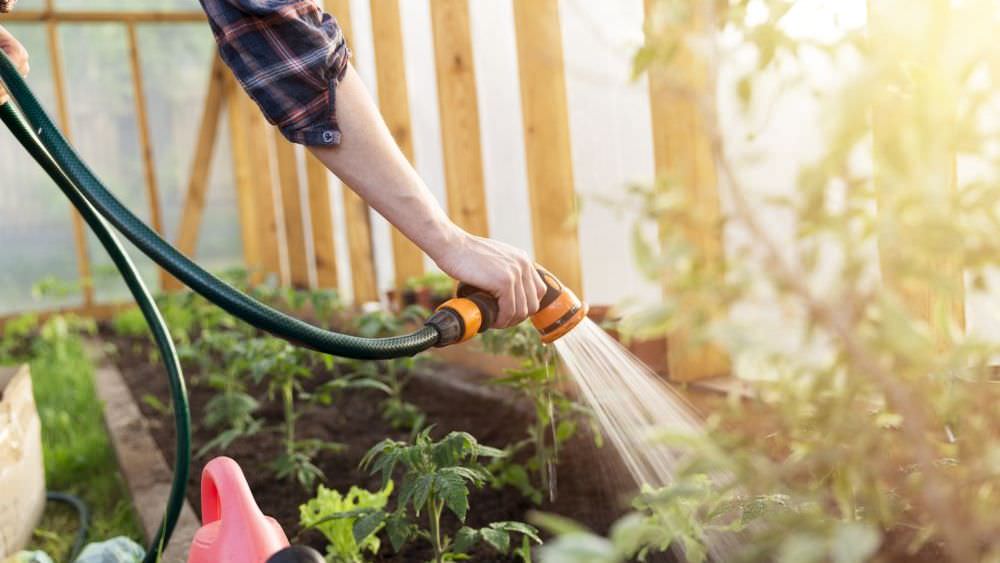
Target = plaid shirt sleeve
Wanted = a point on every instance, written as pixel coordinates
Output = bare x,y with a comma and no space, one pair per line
289,56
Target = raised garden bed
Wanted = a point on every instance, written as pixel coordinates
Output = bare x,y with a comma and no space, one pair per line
592,486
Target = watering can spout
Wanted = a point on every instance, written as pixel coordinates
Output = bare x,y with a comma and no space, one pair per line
234,530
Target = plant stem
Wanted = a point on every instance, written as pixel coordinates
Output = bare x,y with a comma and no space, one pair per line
434,514
289,403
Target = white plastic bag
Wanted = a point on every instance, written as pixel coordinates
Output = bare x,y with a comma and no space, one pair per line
115,550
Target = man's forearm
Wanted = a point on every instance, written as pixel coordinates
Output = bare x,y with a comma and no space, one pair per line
369,161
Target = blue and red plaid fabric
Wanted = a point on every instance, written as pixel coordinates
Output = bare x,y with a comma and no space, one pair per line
289,56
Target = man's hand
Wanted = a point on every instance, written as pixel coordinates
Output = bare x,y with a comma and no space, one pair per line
17,54
506,272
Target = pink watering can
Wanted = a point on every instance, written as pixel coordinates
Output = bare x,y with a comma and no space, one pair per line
234,530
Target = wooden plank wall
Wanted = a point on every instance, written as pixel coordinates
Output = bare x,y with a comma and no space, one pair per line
240,108
682,151
291,204
547,139
321,220
394,104
459,109
357,215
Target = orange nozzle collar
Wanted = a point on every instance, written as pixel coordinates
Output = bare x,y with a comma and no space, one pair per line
559,315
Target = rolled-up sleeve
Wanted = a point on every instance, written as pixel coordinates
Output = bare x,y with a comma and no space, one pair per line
289,56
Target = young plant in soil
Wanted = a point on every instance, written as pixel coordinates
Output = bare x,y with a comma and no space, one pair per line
335,516
394,374
436,476
225,362
284,367
15,341
555,415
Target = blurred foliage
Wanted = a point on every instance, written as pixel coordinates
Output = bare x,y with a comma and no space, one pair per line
876,433
437,283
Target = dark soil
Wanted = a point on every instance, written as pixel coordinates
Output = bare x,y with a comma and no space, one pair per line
591,485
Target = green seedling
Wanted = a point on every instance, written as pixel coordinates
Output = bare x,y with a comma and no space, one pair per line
16,341
556,416
396,373
224,364
436,476
343,520
284,367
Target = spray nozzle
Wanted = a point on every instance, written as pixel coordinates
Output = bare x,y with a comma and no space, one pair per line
473,310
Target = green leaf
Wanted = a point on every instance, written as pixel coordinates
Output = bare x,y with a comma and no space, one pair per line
499,539
399,530
473,475
580,547
555,524
525,530
633,531
452,489
367,525
421,491
487,451
565,430
464,539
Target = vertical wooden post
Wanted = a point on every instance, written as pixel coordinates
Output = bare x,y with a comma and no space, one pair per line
295,229
682,151
263,183
546,139
145,143
357,218
913,128
459,108
201,167
240,107
395,107
321,219
62,107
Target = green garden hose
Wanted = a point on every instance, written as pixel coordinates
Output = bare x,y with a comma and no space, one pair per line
161,335
81,512
170,259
